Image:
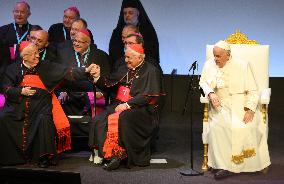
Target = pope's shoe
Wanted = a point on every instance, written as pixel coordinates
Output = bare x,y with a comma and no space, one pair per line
212,170
222,174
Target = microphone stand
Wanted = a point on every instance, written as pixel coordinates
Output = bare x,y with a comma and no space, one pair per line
174,72
190,171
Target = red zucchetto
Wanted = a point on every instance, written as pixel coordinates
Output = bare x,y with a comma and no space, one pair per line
137,48
23,45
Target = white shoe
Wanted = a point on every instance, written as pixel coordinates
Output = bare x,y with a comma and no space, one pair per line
95,158
98,160
91,159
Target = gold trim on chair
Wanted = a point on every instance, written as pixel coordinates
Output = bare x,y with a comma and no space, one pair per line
239,38
264,112
205,155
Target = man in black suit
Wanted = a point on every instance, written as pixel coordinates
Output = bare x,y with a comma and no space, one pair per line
14,33
81,53
61,31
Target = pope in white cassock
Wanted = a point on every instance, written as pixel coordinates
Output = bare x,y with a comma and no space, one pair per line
237,136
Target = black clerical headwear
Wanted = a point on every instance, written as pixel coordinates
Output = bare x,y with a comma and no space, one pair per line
143,17
130,3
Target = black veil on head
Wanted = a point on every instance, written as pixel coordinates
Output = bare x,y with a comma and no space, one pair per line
143,17
146,28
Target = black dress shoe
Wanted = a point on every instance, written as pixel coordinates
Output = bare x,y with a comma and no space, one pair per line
113,164
104,162
222,174
43,163
52,162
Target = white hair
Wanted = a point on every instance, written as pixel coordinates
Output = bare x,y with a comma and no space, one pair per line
24,51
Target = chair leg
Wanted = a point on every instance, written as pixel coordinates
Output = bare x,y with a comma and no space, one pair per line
264,112
205,123
205,158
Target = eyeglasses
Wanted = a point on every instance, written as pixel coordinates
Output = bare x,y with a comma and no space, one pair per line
34,39
79,42
69,17
128,43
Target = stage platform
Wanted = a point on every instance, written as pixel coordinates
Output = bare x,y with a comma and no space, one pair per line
173,145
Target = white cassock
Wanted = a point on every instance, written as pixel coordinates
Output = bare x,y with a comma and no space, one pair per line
234,145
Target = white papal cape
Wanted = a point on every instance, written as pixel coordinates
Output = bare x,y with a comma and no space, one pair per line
234,145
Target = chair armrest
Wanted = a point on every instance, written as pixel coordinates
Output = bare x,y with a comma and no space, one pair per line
265,96
204,100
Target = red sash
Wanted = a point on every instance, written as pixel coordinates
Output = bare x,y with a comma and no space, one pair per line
59,118
111,147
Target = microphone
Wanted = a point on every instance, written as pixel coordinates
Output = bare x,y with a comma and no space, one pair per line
174,72
193,66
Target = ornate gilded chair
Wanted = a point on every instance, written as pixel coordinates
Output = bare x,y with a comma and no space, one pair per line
258,57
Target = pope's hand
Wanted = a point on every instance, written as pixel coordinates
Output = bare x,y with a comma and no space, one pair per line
214,100
248,116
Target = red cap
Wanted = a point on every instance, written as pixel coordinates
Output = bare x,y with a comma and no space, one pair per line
85,32
74,9
137,48
137,34
23,45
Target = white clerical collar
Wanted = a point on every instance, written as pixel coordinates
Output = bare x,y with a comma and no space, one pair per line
21,25
138,65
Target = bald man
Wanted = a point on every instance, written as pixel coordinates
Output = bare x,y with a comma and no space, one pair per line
81,53
14,33
33,126
46,50
237,140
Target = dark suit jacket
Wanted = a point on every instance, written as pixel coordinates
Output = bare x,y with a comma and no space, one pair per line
66,56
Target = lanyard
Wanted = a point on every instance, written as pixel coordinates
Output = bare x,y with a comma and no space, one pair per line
64,32
17,34
22,71
85,58
44,54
